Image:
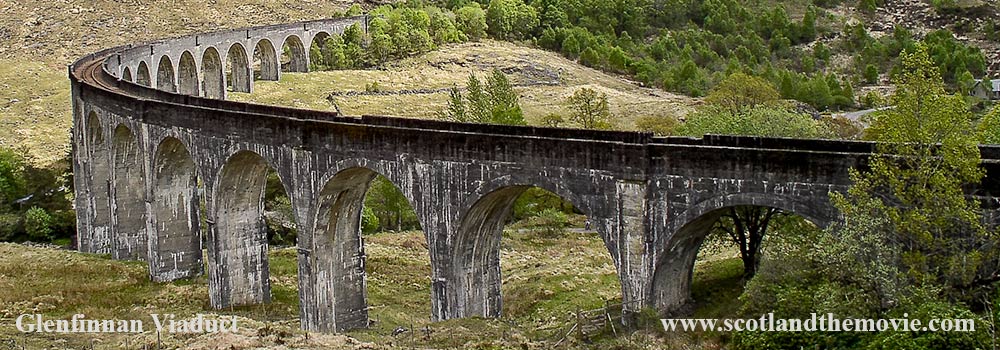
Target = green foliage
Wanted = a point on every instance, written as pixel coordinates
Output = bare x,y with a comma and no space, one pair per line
989,127
38,224
759,121
662,126
354,10
12,181
11,226
549,223
471,20
871,74
740,91
867,6
495,103
911,201
369,221
590,109
391,209
511,19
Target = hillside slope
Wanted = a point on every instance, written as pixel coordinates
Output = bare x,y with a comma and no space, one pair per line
417,87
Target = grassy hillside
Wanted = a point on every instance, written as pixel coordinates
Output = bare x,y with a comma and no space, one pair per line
545,281
39,38
417,87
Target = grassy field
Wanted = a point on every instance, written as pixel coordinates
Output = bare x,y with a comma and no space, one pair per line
545,281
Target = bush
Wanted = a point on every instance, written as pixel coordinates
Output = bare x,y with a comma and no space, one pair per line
369,221
662,126
549,223
38,224
10,227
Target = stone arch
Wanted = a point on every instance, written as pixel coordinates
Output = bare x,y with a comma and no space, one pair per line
142,75
175,246
239,72
265,61
213,73
672,274
293,55
239,236
316,47
475,276
100,240
318,39
128,201
165,75
187,75
127,74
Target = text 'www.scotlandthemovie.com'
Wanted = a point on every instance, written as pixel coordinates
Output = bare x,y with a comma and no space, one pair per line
817,323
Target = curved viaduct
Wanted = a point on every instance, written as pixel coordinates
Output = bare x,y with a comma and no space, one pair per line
151,127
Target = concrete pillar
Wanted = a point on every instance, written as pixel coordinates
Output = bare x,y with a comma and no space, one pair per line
237,242
174,223
128,199
332,257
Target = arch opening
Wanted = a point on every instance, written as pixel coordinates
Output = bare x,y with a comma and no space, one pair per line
265,61
175,249
239,73
128,200
293,55
517,269
212,73
127,74
142,75
100,240
165,75
319,51
244,220
354,204
714,252
187,75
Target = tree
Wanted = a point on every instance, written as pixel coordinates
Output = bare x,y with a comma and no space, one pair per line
989,127
927,150
38,224
590,109
471,20
511,19
739,91
495,103
747,226
12,181
504,101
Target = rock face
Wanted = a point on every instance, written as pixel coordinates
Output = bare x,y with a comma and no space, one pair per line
147,161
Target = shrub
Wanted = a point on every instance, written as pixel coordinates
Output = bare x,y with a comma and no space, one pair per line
38,224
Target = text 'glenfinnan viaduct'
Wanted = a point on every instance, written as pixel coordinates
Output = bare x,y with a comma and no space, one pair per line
151,125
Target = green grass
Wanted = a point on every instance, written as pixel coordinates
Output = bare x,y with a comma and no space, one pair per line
545,281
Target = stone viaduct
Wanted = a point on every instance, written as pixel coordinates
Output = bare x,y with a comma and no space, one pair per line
159,154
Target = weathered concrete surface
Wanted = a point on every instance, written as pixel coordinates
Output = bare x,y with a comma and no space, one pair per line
140,153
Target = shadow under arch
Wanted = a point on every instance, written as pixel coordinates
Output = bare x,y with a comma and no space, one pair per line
175,243
335,294
475,255
127,74
128,202
265,61
142,75
239,72
238,269
100,240
187,75
165,75
293,55
212,72
672,275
